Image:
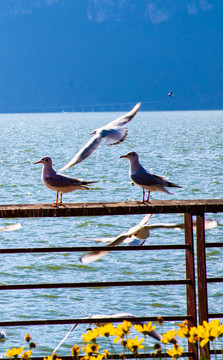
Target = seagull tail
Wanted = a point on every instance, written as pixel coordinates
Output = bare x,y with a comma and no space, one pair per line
170,184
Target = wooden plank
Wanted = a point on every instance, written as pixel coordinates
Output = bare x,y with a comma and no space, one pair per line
112,208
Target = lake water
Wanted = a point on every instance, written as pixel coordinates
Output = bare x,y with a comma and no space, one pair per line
185,147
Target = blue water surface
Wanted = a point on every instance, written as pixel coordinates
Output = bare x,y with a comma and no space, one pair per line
185,147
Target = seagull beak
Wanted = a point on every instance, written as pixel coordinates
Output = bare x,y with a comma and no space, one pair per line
123,156
37,162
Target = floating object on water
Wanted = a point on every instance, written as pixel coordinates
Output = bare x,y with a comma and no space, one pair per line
114,132
144,178
139,231
2,335
170,94
58,182
11,227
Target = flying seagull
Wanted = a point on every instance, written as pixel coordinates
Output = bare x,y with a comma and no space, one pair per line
139,231
145,179
154,334
58,182
114,133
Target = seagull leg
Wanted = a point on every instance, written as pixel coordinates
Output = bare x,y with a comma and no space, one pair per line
143,197
148,196
56,200
61,194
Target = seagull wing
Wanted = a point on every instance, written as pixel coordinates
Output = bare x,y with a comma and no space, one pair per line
58,180
96,255
86,151
146,178
125,118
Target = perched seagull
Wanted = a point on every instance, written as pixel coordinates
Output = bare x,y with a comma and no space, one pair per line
114,132
140,231
58,182
145,179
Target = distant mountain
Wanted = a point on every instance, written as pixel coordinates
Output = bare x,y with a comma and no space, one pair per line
82,54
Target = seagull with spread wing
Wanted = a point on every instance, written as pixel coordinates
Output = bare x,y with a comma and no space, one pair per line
114,133
139,231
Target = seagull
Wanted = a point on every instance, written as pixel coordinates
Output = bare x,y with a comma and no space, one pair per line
114,133
145,179
170,94
58,182
154,334
139,231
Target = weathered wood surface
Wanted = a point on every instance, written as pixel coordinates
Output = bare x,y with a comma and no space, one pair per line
194,207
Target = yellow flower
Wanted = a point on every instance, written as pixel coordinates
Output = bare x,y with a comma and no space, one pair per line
106,330
89,357
26,355
124,343
52,357
75,351
135,344
193,332
91,335
122,330
183,324
125,326
106,354
169,337
122,356
27,338
91,349
14,353
160,320
175,352
145,329
183,329
32,345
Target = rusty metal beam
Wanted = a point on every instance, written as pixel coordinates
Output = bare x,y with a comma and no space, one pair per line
99,284
112,208
190,274
92,248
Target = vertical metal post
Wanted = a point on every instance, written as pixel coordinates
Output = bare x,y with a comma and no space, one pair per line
190,274
201,269
202,278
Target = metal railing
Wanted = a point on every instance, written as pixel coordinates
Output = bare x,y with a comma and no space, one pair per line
194,287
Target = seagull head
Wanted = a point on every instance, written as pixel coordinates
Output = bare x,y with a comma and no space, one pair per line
46,161
132,156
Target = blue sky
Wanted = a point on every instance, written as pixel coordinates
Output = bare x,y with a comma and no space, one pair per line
67,53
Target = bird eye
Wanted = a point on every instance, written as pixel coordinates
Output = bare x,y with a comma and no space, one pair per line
46,159
133,154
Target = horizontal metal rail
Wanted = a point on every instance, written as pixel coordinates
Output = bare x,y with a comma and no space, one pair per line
98,284
91,321
130,356
93,248
194,207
